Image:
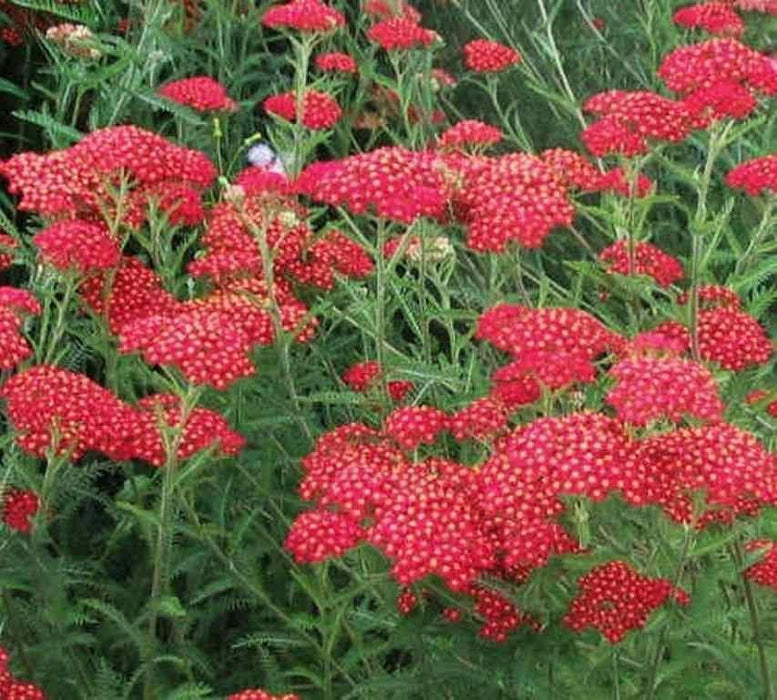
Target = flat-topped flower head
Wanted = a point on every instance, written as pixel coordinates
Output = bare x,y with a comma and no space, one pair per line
201,93
400,34
337,62
469,134
306,16
653,388
713,17
19,507
616,599
319,109
83,246
257,694
647,260
756,177
485,56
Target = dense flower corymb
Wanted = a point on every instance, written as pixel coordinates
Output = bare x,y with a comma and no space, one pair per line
469,133
763,572
201,93
484,56
336,62
650,388
647,260
757,176
733,339
319,109
713,17
81,180
615,599
18,509
400,33
80,245
256,694
307,16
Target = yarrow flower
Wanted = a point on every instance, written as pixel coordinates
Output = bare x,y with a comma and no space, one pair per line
80,181
720,100
690,68
713,296
733,339
651,388
729,467
256,694
482,419
322,534
7,246
201,93
400,34
484,56
75,40
392,183
19,507
412,426
336,62
15,304
365,377
616,599
647,260
713,17
83,246
307,16
500,615
14,689
469,133
763,572
319,109
628,119
514,197
756,176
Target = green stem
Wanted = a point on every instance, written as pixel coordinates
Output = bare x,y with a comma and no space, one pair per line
767,221
650,691
172,438
739,560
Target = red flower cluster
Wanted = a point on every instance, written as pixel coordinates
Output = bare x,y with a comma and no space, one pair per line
256,694
393,182
412,426
484,56
648,260
132,293
208,346
713,296
733,339
56,409
765,6
732,469
725,98
470,132
319,109
615,599
201,93
14,689
84,246
628,119
763,572
307,16
336,62
520,329
6,244
400,33
713,17
80,180
385,9
318,535
756,176
652,388
364,378
14,305
690,68
18,509
514,197
482,419
573,169
500,615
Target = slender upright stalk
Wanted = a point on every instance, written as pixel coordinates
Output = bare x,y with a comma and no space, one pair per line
763,661
172,437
